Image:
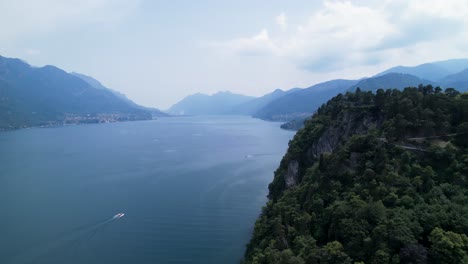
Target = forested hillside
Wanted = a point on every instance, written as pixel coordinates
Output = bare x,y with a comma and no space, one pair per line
44,96
372,178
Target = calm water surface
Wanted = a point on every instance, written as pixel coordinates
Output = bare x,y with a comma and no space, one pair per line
191,189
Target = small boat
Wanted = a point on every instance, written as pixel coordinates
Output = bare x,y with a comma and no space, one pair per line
119,215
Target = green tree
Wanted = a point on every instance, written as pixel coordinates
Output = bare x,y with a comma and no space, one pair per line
462,135
333,253
448,247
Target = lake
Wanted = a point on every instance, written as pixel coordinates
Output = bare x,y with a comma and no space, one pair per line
191,189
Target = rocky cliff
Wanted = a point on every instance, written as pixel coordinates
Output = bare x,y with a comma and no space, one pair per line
323,135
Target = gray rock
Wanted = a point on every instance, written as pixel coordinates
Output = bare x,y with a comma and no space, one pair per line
292,174
348,124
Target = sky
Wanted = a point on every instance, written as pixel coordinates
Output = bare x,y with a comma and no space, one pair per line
157,52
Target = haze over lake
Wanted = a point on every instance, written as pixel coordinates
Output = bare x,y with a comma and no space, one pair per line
190,187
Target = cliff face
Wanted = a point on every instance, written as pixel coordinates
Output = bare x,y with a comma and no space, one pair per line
347,123
355,185
291,176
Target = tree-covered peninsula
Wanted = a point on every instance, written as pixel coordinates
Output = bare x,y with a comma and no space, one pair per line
372,178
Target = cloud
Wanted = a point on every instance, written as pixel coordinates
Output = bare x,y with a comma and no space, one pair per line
337,35
257,45
417,23
342,34
45,16
281,20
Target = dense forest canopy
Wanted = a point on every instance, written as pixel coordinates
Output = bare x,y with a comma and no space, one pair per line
372,178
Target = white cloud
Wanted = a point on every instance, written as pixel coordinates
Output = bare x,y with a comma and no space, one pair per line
436,8
259,44
281,20
33,17
344,34
339,33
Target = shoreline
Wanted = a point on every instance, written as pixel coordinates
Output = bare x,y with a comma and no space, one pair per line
59,124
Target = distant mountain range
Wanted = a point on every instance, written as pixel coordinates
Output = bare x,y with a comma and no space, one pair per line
253,106
220,103
298,104
433,71
43,96
302,102
96,84
390,80
457,80
446,74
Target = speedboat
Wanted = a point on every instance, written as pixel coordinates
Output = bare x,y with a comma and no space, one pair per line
119,215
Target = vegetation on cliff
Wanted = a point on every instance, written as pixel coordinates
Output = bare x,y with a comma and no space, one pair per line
372,178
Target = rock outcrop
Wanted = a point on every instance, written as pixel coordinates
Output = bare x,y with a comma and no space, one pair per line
290,178
347,124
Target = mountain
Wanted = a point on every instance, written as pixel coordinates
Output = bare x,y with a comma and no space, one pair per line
38,96
390,80
457,80
372,178
433,71
302,102
387,81
93,82
201,104
427,71
299,105
453,66
252,106
96,84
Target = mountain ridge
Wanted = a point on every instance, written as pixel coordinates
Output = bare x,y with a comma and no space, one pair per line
433,71
202,104
302,102
98,85
298,104
44,96
254,105
390,81
458,80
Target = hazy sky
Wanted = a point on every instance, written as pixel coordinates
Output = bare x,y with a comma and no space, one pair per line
157,52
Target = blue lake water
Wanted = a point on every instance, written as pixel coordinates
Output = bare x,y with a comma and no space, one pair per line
191,189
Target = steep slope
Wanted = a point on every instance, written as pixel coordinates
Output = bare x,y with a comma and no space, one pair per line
201,104
302,102
458,81
96,84
252,106
433,71
31,96
372,178
390,80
